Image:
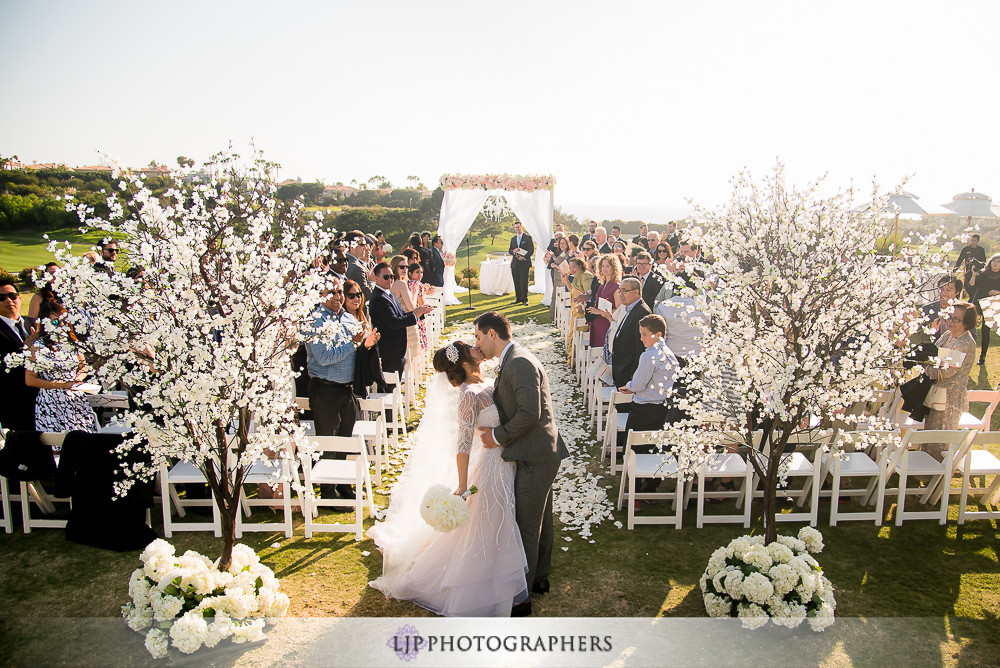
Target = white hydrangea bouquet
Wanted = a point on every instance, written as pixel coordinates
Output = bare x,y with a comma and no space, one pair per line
781,582
442,510
188,602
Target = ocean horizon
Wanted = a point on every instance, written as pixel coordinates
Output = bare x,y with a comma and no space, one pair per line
648,214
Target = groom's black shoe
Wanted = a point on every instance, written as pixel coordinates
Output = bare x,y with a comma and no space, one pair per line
541,587
521,609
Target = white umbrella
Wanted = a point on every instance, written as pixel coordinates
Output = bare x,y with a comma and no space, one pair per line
906,205
971,205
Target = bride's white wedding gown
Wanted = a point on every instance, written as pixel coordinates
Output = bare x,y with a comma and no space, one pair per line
479,569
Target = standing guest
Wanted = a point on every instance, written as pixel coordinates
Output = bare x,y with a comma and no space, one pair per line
580,283
520,262
671,237
556,259
619,249
954,379
686,326
58,368
389,318
417,287
650,387
650,282
45,293
971,259
616,233
601,241
643,237
588,249
574,245
404,291
985,283
378,250
609,276
436,277
331,368
652,238
358,255
663,254
109,253
17,399
423,253
559,232
949,288
628,345
367,369
589,236
339,264
411,255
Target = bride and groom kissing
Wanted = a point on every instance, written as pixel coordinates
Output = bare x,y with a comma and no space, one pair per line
503,441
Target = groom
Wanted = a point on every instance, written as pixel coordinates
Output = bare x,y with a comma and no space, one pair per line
529,438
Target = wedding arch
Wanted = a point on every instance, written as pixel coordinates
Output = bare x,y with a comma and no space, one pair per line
530,198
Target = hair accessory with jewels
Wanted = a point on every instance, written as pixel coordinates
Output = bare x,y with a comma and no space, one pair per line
451,352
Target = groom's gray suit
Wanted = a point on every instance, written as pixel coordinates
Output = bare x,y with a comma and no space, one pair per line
529,437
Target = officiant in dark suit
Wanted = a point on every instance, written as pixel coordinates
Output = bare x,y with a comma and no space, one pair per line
17,408
520,262
391,321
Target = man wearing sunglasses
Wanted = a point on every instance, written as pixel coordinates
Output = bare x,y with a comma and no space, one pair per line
109,254
17,409
389,318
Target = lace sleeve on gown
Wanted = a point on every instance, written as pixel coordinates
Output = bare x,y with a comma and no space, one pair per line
468,411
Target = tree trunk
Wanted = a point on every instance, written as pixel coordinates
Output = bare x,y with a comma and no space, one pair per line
771,499
228,536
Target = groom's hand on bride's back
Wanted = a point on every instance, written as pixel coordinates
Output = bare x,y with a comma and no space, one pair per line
486,434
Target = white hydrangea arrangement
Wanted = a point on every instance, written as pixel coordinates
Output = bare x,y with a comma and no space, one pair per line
442,510
780,582
188,602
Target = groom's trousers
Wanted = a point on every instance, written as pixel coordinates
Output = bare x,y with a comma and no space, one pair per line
533,512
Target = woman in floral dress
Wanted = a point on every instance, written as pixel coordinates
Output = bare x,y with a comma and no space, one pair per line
415,273
55,368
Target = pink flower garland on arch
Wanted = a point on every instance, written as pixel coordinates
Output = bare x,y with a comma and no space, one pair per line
528,183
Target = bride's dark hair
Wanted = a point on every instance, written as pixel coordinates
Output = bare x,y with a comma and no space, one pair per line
453,370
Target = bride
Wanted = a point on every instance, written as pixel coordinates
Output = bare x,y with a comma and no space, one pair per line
477,570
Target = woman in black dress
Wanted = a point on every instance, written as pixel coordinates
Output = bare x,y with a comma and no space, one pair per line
982,285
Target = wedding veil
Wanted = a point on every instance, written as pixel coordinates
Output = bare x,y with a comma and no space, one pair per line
431,461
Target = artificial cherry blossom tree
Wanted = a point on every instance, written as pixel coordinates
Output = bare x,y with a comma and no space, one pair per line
204,343
806,319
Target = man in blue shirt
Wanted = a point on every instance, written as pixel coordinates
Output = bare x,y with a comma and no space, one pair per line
331,366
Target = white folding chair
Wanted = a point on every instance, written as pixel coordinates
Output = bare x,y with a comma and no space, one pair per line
802,461
979,462
185,473
645,466
34,493
854,462
989,397
6,521
375,434
724,465
274,472
907,461
393,401
350,471
615,425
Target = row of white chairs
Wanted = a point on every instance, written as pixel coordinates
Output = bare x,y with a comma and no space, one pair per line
885,454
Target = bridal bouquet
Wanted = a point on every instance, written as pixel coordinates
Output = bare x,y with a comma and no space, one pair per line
781,582
188,602
442,510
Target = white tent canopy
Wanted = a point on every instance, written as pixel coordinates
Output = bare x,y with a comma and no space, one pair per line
530,198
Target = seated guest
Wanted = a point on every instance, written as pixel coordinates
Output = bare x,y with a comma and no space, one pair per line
650,385
56,369
391,320
17,408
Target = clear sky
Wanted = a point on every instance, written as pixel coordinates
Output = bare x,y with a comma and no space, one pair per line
628,104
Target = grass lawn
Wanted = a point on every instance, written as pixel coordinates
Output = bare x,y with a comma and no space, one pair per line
948,576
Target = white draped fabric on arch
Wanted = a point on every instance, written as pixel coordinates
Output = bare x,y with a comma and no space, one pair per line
462,203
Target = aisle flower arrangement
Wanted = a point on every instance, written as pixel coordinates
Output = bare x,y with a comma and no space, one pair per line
780,582
529,183
186,601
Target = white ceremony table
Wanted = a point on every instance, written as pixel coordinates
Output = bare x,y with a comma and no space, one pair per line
495,277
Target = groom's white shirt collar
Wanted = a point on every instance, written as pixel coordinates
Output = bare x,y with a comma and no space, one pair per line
505,349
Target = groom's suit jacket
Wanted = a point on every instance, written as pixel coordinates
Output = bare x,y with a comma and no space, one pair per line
527,428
